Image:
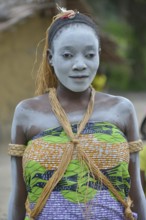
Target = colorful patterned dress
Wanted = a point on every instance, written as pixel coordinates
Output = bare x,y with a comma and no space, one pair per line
78,195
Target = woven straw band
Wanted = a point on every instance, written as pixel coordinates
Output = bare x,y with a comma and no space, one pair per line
16,150
135,146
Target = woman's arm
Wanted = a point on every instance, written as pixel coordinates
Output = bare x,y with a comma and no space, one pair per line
136,192
143,182
16,209
18,192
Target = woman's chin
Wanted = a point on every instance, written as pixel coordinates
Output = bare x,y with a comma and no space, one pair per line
78,89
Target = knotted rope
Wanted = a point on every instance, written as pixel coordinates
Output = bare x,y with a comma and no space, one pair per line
67,156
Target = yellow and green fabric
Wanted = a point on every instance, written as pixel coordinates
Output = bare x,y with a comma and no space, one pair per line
78,195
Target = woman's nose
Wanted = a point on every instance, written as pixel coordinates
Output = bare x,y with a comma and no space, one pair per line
79,64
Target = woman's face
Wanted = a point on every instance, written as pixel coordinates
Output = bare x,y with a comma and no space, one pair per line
75,57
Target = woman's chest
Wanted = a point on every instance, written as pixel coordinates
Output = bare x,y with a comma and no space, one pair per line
41,121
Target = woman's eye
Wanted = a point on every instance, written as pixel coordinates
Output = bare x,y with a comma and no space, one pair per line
67,55
90,55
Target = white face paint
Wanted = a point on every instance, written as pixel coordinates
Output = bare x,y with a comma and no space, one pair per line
75,57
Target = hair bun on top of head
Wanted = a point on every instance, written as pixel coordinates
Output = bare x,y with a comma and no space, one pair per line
66,17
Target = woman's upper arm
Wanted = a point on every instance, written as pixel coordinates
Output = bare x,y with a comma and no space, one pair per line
17,137
18,129
131,123
18,189
136,191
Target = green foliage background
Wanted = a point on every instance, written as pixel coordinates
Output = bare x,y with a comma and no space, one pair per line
125,23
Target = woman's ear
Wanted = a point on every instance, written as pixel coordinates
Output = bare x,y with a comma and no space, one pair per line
49,56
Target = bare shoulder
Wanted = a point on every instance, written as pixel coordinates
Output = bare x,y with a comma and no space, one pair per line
35,103
119,102
28,118
118,110
124,103
27,107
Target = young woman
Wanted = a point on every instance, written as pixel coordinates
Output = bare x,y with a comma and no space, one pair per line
74,151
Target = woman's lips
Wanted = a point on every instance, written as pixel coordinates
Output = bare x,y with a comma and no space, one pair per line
79,77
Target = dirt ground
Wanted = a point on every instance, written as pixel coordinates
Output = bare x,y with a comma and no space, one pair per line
139,101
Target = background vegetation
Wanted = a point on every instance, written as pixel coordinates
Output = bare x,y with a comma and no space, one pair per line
125,23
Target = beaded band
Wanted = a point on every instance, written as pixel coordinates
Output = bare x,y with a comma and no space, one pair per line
16,150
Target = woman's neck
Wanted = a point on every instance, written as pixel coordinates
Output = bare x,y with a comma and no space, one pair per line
70,96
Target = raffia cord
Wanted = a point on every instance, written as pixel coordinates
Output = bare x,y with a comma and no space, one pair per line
98,174
135,146
68,13
16,150
66,158
55,107
45,76
68,153
61,115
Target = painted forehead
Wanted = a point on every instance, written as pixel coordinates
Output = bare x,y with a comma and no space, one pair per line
61,23
74,27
